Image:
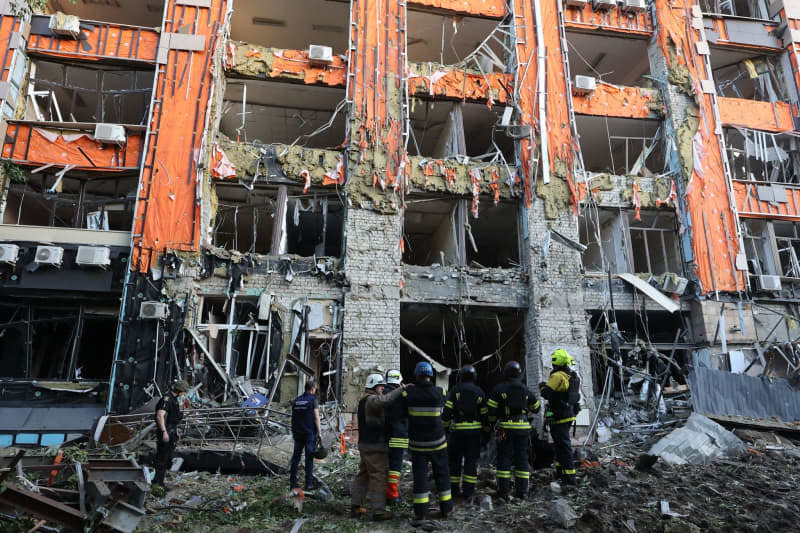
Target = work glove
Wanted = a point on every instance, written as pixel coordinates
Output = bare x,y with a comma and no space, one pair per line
542,385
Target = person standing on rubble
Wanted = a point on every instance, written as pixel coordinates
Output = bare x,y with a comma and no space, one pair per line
168,415
370,482
427,442
562,392
398,438
465,416
306,429
510,404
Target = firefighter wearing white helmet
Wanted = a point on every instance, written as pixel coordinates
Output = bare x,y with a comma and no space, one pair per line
562,392
398,438
369,486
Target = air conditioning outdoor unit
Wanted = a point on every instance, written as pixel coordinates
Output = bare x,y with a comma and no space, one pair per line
576,3
634,6
320,56
673,283
584,85
765,282
9,253
110,133
153,310
49,255
604,5
65,25
93,256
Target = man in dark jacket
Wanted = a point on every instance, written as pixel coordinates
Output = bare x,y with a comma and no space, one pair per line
422,404
465,416
562,392
370,482
398,437
168,415
305,432
511,404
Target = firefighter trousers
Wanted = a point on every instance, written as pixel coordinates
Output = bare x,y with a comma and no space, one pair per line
396,453
441,476
464,447
562,447
369,485
513,450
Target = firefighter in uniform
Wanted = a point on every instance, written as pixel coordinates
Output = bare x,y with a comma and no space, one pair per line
510,404
562,392
168,416
370,482
427,442
465,416
398,438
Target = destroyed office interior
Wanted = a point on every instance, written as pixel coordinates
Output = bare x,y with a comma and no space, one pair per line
247,199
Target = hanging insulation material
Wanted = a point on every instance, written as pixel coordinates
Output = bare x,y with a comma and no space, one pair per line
699,150
613,20
100,41
752,201
614,101
774,117
170,187
481,8
377,67
221,166
456,84
26,144
245,59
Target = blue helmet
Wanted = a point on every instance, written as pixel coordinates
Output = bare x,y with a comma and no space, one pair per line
423,368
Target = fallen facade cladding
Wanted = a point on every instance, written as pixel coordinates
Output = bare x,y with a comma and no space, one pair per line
248,200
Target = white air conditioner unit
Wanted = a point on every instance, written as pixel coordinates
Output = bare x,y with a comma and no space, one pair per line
576,3
110,133
766,282
604,5
49,255
320,56
153,310
93,256
65,25
584,85
634,6
8,253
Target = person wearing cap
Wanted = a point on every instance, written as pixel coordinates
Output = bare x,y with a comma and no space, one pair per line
168,415
562,392
398,438
369,485
511,404
427,442
465,416
306,430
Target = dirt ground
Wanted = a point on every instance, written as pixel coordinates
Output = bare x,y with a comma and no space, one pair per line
755,492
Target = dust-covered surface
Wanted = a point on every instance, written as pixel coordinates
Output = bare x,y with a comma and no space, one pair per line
756,492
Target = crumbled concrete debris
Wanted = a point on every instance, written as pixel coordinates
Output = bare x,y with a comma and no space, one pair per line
562,513
700,441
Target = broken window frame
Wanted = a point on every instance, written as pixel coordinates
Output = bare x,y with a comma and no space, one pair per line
758,145
82,203
43,88
661,232
283,207
758,10
760,249
768,86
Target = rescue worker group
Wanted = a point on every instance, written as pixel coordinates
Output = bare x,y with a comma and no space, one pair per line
446,432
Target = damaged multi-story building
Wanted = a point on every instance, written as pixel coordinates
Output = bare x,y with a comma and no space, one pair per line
244,193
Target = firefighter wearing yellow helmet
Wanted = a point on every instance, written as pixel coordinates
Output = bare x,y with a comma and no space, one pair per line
562,392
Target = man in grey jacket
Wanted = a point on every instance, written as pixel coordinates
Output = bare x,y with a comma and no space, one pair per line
373,447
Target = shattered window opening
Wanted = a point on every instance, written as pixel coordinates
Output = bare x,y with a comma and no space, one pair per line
754,78
621,146
654,246
755,9
63,92
762,156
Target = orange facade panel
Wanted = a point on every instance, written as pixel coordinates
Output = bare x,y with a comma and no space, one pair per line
614,20
31,145
614,101
765,116
749,205
459,85
248,60
99,41
707,199
8,25
168,212
481,8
